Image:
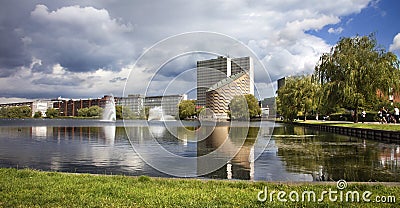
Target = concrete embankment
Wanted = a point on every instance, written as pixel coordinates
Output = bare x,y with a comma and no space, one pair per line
380,135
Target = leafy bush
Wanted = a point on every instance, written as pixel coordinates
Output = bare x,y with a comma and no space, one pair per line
37,114
16,112
93,111
340,117
371,116
51,113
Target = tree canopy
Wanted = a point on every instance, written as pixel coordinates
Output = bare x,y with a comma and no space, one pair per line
16,112
297,95
38,114
51,113
244,107
93,111
123,112
187,108
354,71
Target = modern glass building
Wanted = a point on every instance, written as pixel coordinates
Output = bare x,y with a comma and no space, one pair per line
133,102
168,103
137,103
219,96
212,71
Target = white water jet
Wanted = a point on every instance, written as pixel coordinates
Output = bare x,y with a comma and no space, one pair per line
158,114
109,113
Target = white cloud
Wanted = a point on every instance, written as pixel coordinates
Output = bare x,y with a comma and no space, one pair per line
396,43
83,17
310,24
64,83
335,31
13,100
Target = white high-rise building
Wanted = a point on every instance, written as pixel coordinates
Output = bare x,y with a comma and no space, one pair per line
212,71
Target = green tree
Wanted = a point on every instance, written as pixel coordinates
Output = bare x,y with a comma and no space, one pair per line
25,112
92,111
18,112
123,112
187,108
298,95
354,72
252,104
38,114
95,111
3,112
127,113
83,112
238,108
244,107
118,112
51,113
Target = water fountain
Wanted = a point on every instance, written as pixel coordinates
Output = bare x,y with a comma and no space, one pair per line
158,114
109,113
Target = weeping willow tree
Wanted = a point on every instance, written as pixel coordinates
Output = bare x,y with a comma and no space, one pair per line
298,95
354,71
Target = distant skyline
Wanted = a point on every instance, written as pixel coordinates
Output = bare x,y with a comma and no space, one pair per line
83,49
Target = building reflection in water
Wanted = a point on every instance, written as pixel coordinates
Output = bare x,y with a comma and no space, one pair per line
172,153
233,148
390,157
86,149
41,131
105,134
225,153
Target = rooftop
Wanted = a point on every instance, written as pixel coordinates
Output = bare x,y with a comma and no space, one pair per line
226,81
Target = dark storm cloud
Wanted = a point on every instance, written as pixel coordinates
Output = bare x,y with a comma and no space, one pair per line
118,79
78,38
176,66
13,52
67,81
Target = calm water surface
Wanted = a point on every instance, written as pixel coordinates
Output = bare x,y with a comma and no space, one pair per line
290,154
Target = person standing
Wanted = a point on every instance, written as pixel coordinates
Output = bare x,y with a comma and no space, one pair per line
387,115
396,113
382,114
363,114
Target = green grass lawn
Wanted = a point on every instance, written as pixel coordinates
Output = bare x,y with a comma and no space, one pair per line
30,188
375,126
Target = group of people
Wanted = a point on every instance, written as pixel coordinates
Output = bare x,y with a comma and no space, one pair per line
385,116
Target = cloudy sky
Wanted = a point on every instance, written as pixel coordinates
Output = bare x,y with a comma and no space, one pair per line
82,49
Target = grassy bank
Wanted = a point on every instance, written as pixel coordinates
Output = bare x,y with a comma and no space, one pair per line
375,126
29,188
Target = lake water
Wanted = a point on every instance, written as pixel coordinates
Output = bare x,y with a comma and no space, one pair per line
223,152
